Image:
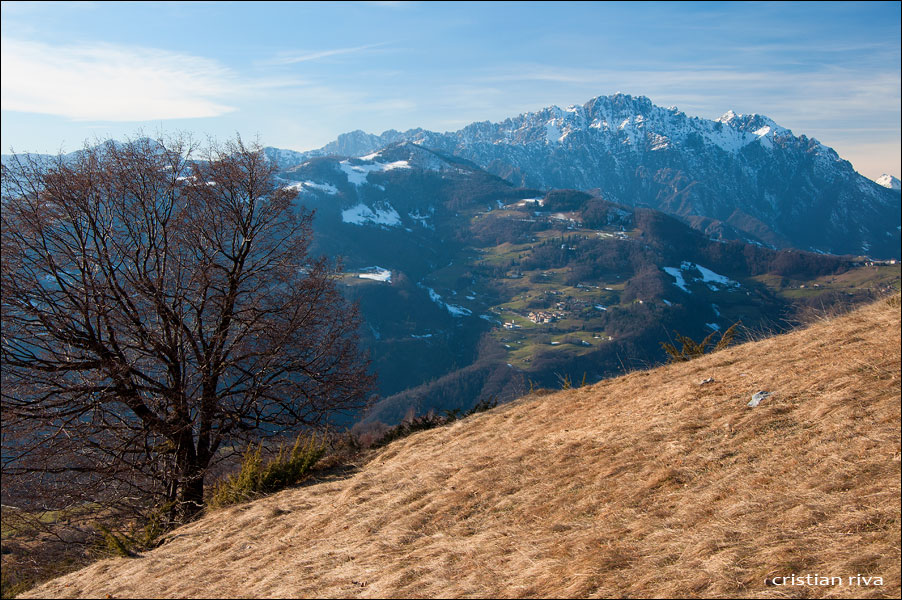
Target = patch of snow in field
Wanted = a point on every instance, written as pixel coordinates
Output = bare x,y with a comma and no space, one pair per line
714,281
678,275
457,311
328,188
709,277
380,214
376,274
357,174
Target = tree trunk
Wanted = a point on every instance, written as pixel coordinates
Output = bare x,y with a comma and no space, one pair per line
190,469
189,498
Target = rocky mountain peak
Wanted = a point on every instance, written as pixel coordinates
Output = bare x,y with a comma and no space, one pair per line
745,171
889,182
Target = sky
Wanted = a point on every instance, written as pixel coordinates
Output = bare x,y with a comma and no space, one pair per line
296,75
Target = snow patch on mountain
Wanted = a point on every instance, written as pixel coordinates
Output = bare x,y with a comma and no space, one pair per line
659,142
358,173
889,182
382,213
302,186
678,276
376,274
714,281
456,311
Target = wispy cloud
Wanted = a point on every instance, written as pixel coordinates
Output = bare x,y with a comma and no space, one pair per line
826,94
308,56
389,3
111,83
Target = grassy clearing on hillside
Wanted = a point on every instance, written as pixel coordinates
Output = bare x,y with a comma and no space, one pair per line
876,279
651,484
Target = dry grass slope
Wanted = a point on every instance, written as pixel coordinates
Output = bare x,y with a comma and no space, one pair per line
645,485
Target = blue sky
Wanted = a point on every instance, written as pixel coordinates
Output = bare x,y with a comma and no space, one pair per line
298,74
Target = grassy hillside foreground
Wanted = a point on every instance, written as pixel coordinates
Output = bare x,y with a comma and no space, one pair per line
652,484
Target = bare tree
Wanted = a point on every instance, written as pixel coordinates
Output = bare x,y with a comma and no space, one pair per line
159,306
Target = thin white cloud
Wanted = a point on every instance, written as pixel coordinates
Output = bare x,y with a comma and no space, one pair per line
308,56
389,3
107,82
829,94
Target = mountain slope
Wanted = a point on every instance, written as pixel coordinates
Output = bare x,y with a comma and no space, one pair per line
651,484
742,172
402,213
448,263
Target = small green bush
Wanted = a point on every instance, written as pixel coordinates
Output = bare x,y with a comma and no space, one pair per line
10,586
149,535
431,421
566,382
256,479
113,544
137,537
414,424
692,349
482,406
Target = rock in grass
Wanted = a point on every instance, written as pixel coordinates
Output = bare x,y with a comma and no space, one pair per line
757,397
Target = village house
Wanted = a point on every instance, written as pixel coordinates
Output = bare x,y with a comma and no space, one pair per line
541,317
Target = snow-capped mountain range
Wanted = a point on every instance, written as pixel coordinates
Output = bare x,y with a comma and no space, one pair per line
738,173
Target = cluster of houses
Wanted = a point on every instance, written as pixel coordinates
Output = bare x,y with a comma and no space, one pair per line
543,316
539,317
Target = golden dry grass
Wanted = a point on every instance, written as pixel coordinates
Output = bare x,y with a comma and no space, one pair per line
645,485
